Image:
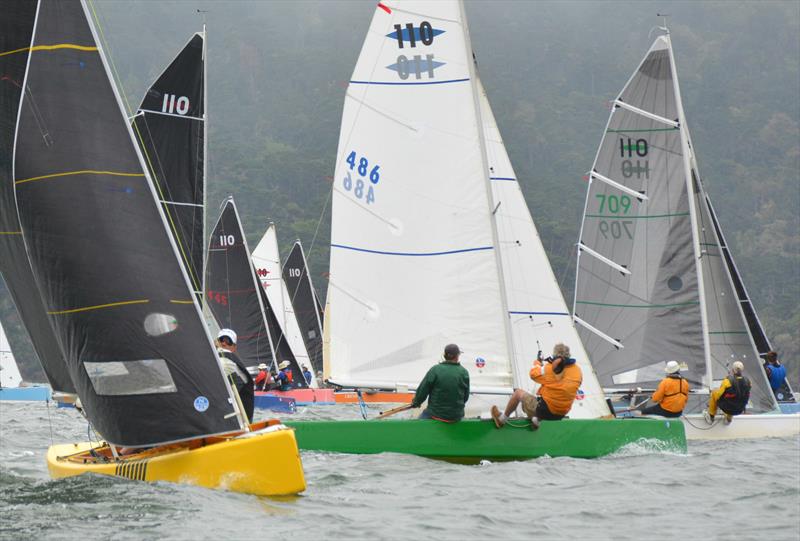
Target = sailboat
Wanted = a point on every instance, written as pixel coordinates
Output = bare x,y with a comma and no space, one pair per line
655,280
116,293
10,379
430,237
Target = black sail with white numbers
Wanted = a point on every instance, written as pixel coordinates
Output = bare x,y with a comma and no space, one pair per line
237,300
170,129
102,257
304,303
16,30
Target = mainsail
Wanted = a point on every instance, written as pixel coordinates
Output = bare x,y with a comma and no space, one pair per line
9,373
238,301
536,306
305,304
171,130
267,261
105,264
16,28
651,283
413,261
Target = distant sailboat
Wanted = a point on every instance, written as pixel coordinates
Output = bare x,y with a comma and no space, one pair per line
652,284
9,373
305,303
267,261
170,127
238,301
114,287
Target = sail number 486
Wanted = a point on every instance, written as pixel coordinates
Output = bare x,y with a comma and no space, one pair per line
360,188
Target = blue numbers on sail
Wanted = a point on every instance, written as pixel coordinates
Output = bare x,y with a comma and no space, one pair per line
362,177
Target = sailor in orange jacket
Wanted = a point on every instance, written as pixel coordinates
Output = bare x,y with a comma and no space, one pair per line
671,395
559,380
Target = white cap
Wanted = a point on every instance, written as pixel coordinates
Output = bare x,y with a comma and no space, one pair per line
262,366
283,365
672,367
226,332
738,367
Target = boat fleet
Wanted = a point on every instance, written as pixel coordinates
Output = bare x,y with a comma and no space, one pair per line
105,253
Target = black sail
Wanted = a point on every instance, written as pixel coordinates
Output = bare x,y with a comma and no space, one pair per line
170,129
236,298
305,303
113,286
16,29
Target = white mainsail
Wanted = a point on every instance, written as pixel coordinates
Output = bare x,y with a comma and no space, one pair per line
536,306
651,284
438,246
413,263
9,373
267,261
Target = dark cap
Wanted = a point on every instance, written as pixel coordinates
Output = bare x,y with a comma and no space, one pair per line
451,352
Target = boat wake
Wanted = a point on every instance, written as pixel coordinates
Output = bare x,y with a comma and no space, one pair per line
646,446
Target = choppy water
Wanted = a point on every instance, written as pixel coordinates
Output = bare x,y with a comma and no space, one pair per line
752,486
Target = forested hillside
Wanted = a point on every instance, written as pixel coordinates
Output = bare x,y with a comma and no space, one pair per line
278,73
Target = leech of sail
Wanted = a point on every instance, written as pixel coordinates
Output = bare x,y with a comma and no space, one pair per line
604,259
617,185
97,307
647,114
72,173
598,332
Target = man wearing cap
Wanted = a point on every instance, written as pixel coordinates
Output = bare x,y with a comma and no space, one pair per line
446,387
307,375
235,370
671,395
285,376
732,395
559,378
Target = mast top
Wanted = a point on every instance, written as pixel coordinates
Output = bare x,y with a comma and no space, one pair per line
664,28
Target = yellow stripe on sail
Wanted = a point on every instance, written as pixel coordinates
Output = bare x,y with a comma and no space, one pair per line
10,232
51,48
97,307
85,172
175,301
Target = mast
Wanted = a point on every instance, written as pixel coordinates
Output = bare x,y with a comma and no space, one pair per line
692,211
205,168
517,377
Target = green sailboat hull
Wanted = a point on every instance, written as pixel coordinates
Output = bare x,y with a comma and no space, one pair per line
473,440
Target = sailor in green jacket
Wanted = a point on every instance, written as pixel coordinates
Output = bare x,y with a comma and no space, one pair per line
446,386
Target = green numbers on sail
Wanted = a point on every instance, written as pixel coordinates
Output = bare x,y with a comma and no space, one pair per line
614,204
366,178
616,229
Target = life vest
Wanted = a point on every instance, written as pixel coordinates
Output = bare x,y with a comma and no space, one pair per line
289,375
777,375
734,400
675,396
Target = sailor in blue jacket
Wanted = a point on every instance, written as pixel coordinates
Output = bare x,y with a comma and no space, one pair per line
776,372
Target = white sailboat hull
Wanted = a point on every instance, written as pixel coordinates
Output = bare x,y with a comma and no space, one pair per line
765,425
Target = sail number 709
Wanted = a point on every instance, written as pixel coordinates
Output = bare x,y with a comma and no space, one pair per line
360,187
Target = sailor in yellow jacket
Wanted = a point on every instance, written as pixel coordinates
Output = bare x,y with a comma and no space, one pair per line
732,395
559,381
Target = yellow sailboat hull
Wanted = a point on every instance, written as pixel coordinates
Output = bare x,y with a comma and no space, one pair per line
265,462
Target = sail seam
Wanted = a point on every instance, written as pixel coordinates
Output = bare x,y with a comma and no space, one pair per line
393,83
176,301
538,313
96,307
84,172
51,48
503,178
640,217
413,254
592,303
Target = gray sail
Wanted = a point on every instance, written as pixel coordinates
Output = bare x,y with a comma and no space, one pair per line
636,297
729,336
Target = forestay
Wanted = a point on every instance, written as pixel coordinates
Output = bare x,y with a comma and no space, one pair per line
170,128
104,262
539,316
16,28
413,263
9,373
267,261
305,303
